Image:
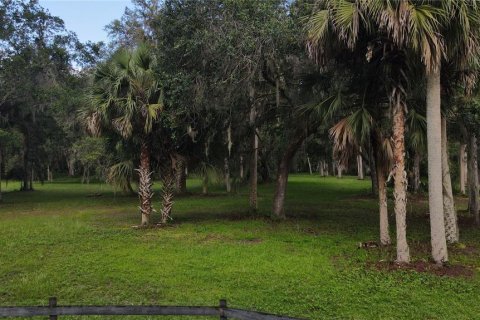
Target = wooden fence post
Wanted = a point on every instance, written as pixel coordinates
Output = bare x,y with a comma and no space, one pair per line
52,304
223,305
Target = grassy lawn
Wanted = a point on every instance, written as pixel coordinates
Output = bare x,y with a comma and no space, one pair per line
59,241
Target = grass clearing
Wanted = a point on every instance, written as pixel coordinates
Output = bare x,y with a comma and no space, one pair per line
60,241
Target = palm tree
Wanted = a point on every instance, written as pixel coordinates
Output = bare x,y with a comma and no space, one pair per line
354,25
127,97
359,129
436,31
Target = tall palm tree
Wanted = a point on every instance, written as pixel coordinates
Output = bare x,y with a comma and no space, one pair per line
353,24
127,98
436,31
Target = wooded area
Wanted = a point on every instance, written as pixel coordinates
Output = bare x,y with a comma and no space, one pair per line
242,93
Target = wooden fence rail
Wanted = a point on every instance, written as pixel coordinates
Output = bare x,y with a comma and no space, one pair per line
53,311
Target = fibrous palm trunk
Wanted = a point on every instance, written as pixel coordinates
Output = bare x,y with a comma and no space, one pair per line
168,188
451,224
145,192
473,184
400,176
435,181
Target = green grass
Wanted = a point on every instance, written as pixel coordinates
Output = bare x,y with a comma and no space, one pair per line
58,241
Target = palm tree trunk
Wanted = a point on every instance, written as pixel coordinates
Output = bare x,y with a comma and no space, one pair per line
145,184
451,224
473,184
400,176
383,205
463,168
416,172
379,171
435,183
169,180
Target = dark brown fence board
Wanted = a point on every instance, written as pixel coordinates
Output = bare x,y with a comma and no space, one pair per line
53,311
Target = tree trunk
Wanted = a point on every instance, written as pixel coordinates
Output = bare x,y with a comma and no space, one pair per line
169,181
71,167
373,167
435,184
416,172
321,168
361,175
30,187
254,173
205,184
463,168
253,199
1,167
180,174
339,171
383,205
451,224
145,192
473,184
282,176
228,182
25,172
242,174
400,176
309,165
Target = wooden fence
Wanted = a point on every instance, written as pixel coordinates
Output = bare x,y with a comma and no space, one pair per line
53,311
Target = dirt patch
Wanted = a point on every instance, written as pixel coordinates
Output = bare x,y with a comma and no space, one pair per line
214,238
453,271
251,241
466,250
311,231
466,221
